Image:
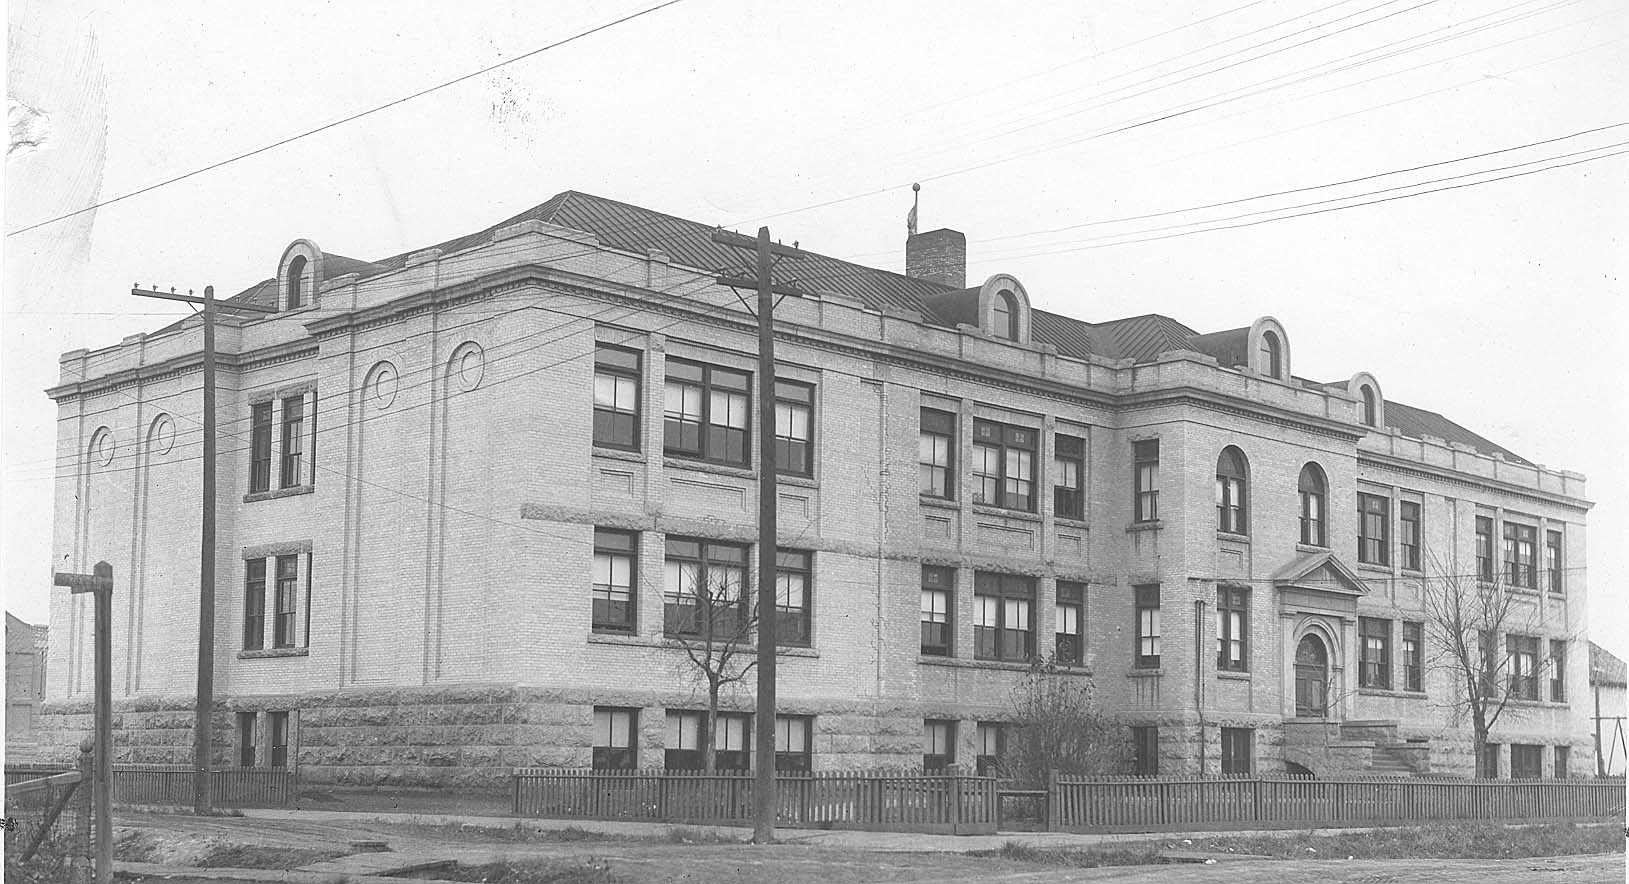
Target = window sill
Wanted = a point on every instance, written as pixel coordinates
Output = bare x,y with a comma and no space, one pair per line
1374,567
985,509
1230,537
1145,672
992,665
707,466
1399,693
274,494
1134,527
1412,572
796,479
618,453
646,641
1311,548
943,503
1233,675
1067,522
273,652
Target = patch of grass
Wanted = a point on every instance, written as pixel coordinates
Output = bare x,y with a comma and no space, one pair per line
589,870
254,856
691,835
131,846
516,833
50,864
1086,858
1468,840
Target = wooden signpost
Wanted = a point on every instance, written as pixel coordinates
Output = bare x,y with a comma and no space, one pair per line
100,584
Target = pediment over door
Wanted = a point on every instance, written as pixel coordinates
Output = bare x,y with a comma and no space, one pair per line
1319,581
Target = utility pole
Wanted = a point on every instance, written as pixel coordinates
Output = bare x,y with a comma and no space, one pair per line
203,723
763,795
100,584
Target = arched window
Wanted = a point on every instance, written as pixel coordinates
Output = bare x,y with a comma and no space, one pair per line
1272,364
296,282
1230,505
1314,528
1006,317
1369,405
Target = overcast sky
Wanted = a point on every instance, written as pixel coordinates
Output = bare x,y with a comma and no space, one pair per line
1498,304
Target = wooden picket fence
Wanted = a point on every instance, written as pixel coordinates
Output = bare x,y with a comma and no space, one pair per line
1130,804
171,784
900,801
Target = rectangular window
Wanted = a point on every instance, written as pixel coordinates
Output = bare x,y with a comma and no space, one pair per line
1374,519
1230,511
1146,623
992,740
683,746
1238,750
1408,530
794,428
1003,624
1563,761
246,739
1552,560
1523,653
1526,761
1004,465
616,397
293,442
288,597
1484,548
277,739
703,595
616,562
705,411
794,621
1069,647
938,744
1558,671
1490,761
793,743
260,445
1145,750
1146,503
616,734
732,741
1068,472
1375,634
254,604
938,588
1413,656
938,454
1519,567
1232,628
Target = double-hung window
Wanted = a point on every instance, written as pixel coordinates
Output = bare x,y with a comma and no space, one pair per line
992,740
1070,639
1004,622
938,590
794,428
1408,531
1232,628
732,741
287,600
1145,750
254,604
938,744
937,445
293,473
1519,567
1146,626
1314,531
1004,465
1238,750
1526,761
246,739
1374,534
1558,670
684,748
1068,472
1230,484
1484,548
277,739
616,566
1523,653
1375,668
1146,496
793,620
705,412
260,446
794,751
1552,560
1413,656
616,397
616,738
703,595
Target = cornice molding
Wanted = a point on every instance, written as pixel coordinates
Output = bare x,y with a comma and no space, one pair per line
1468,480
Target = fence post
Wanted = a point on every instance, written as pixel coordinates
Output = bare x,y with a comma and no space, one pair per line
81,868
1051,820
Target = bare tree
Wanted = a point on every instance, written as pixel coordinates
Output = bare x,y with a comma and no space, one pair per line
709,616
1476,621
1057,725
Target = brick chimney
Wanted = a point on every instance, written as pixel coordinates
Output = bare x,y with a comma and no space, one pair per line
938,256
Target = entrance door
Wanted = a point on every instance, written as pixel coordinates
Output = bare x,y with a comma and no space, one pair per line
1311,678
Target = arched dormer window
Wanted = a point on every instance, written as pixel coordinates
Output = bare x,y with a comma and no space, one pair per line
1370,406
1371,401
1231,515
296,283
1314,506
1006,316
1272,356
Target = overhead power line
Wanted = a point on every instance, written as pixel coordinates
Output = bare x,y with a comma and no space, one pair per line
353,117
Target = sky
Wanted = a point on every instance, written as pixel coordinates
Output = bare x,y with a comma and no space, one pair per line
1037,129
